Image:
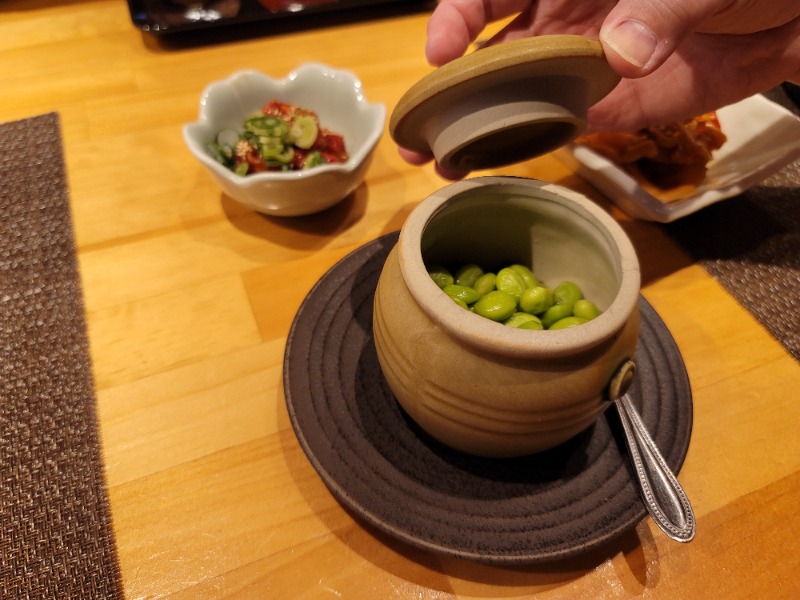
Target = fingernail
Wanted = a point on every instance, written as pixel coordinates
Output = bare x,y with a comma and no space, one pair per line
633,41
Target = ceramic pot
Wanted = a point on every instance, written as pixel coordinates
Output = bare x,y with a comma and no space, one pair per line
482,387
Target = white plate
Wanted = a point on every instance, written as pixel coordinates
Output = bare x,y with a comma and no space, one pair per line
763,137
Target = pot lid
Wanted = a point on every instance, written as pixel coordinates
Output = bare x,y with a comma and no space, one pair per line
504,103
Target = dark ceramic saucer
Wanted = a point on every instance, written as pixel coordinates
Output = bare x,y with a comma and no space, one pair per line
382,467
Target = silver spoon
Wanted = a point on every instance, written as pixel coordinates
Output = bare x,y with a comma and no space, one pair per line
663,496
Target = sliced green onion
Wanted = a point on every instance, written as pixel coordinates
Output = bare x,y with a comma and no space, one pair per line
313,159
286,156
270,147
266,125
303,132
282,159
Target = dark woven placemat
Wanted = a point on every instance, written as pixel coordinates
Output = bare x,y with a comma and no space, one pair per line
56,536
751,245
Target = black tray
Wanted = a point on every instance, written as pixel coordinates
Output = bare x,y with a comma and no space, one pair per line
176,16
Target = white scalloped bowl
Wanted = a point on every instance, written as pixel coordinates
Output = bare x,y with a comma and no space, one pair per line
336,96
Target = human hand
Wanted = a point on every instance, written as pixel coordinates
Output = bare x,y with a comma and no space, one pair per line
677,59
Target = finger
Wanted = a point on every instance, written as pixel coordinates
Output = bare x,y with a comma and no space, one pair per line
709,72
744,16
639,36
455,24
557,17
449,174
414,158
418,159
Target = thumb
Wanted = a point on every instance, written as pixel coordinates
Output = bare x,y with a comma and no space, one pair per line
639,35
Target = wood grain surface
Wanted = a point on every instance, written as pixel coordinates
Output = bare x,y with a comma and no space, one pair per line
190,297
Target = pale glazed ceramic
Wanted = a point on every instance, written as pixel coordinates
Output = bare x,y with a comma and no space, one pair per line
504,103
482,387
336,95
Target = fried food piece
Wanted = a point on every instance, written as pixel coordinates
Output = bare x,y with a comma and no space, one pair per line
669,159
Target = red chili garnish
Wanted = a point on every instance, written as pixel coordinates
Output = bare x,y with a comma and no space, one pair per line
282,110
331,144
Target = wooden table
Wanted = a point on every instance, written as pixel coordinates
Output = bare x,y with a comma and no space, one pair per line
189,300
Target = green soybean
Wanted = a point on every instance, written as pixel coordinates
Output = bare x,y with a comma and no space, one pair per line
585,309
568,322
496,305
510,282
485,283
556,313
440,275
519,318
535,324
536,300
464,293
515,297
468,274
460,302
527,275
567,292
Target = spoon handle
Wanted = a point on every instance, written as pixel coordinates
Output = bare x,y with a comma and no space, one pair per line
662,494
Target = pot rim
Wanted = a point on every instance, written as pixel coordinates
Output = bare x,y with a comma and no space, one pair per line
485,334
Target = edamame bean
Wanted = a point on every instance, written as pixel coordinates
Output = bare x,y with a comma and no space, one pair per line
536,324
496,305
556,313
567,292
568,322
468,274
585,309
518,318
462,292
515,296
536,300
440,275
527,275
510,282
460,302
485,283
